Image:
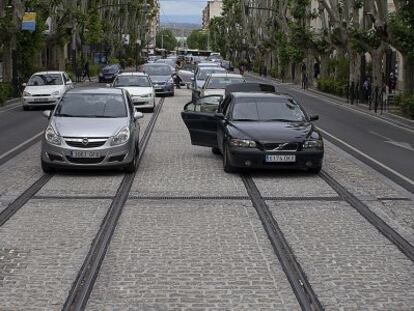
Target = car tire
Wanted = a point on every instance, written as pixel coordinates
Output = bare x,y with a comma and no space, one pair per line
315,170
131,167
215,150
228,168
46,168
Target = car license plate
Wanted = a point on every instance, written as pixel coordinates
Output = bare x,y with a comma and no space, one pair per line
41,99
280,158
85,154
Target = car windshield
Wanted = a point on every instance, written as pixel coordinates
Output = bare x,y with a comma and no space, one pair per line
222,82
158,70
92,106
132,81
45,79
267,109
203,73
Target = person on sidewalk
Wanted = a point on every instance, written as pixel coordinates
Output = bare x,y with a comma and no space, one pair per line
367,89
304,77
86,72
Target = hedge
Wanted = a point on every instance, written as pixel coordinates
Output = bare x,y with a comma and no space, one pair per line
406,104
6,92
332,86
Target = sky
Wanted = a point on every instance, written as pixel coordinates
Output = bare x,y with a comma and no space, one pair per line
184,11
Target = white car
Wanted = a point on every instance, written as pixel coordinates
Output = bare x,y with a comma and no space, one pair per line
216,83
139,87
45,88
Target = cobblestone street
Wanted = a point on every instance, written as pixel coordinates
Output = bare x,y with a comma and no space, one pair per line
189,236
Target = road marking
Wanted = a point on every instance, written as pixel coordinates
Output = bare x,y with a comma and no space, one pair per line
332,102
405,178
20,145
401,144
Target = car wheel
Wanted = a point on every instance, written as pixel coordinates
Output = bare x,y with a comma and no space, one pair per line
215,150
315,170
131,167
228,168
47,169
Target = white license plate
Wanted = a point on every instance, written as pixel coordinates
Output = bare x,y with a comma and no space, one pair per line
41,99
280,158
85,154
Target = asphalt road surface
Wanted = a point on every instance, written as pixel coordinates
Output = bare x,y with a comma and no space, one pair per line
385,146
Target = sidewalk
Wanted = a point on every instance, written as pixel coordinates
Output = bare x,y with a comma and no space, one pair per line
342,101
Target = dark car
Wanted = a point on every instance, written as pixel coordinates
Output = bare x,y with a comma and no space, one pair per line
109,72
256,129
161,76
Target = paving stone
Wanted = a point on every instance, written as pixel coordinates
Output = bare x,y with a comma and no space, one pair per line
171,166
350,265
292,184
42,247
190,255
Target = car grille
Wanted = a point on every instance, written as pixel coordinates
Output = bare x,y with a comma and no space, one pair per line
40,95
80,142
85,160
281,146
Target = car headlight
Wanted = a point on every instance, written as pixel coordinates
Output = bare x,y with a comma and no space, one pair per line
101,74
55,93
121,137
26,94
313,144
52,137
246,143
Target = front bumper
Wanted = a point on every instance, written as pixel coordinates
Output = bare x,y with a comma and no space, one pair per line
255,158
111,156
143,102
164,89
35,101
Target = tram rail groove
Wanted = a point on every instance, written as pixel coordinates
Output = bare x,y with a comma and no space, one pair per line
22,199
386,230
85,280
304,292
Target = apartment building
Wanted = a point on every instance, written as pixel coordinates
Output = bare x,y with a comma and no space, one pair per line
213,9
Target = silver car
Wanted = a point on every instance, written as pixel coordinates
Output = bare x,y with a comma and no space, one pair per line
92,128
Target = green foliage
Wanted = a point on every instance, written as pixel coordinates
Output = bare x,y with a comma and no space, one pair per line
406,104
217,35
166,39
198,39
401,26
336,87
113,60
6,92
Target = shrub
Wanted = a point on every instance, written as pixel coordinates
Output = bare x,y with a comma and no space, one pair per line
406,104
94,69
332,86
6,91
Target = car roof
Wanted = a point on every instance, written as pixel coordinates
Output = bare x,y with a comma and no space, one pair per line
260,95
95,90
226,75
48,72
133,73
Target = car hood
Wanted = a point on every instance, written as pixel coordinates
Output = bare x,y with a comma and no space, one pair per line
156,79
276,132
135,90
88,127
43,89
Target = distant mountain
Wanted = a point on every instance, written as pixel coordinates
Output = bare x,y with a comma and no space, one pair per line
181,19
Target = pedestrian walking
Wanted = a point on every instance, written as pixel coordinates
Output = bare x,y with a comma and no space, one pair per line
304,76
367,89
86,72
392,83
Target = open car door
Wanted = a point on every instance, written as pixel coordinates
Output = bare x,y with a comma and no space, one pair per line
199,117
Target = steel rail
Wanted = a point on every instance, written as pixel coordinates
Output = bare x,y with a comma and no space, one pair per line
386,230
81,288
304,292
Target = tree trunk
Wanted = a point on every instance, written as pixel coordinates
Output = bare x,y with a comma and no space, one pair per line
7,62
354,67
377,72
324,66
408,65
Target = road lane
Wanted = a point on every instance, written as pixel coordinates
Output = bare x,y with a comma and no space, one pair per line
390,145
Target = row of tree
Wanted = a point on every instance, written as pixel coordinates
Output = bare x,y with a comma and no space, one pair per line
69,27
337,34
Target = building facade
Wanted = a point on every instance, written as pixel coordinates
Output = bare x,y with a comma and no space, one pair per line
214,8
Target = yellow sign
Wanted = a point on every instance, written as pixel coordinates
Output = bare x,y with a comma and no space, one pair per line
29,17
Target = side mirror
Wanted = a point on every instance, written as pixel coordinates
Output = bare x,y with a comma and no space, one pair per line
24,84
47,113
69,82
313,118
138,115
219,115
108,85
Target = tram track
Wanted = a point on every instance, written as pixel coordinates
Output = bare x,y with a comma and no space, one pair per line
83,285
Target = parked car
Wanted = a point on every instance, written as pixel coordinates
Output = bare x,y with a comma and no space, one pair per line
109,72
216,83
92,128
185,74
139,86
162,78
45,88
200,77
255,129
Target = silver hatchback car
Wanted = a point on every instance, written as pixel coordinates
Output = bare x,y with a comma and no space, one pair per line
92,128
